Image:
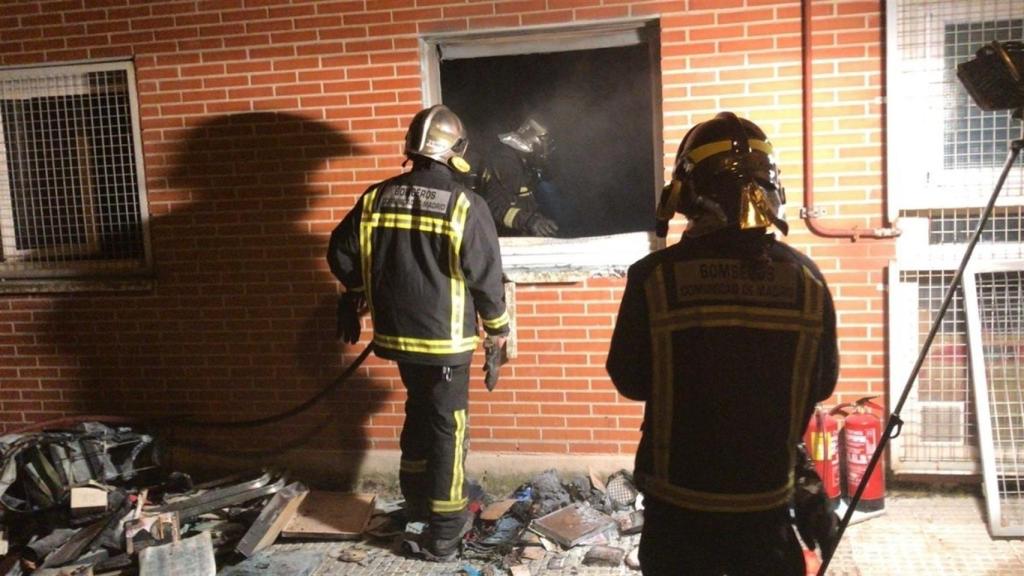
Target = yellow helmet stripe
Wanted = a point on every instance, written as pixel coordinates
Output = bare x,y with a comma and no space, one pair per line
701,153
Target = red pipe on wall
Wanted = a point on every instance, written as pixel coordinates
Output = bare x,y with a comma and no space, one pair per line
808,212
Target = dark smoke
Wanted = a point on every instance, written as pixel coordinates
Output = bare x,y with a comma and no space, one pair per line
597,105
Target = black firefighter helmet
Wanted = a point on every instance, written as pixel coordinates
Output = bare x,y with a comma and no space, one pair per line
725,176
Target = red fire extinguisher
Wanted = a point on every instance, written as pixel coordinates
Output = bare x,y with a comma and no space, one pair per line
822,440
862,434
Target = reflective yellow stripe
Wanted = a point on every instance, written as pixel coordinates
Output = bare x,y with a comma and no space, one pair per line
498,322
736,315
412,466
701,153
424,345
454,230
806,355
366,242
413,222
455,491
761,145
662,389
458,282
442,506
510,217
806,323
714,501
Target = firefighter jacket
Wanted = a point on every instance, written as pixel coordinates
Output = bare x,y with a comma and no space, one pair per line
730,340
508,184
424,250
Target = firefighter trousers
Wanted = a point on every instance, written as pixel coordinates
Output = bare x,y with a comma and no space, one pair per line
434,442
678,542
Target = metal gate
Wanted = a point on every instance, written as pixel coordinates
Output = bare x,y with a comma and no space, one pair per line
993,293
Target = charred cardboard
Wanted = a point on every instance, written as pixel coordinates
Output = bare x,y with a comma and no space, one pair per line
331,515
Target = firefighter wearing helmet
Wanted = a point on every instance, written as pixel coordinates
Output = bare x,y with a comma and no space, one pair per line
421,250
729,338
517,184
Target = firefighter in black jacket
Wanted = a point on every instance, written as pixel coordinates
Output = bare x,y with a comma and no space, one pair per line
516,182
422,250
729,337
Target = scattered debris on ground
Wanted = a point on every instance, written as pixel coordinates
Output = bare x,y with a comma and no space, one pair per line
95,500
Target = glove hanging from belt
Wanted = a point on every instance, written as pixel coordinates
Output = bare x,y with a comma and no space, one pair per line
815,521
350,306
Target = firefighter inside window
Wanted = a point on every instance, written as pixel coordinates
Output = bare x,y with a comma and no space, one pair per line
729,338
517,181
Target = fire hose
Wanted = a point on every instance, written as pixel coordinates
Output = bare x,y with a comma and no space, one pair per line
263,421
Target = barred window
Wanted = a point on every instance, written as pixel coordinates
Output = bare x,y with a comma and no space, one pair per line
975,138
72,188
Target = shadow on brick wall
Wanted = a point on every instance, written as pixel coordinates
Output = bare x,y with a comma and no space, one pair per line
240,324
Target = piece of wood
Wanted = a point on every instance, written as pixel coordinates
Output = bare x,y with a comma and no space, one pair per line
87,500
497,509
331,515
272,519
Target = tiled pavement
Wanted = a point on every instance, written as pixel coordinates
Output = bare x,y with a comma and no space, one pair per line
919,534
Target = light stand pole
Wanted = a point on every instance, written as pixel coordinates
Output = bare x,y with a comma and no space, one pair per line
894,424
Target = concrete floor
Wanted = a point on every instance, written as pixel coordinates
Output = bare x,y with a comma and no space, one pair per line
918,534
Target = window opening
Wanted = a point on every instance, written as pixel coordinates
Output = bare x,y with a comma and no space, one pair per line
598,86
72,198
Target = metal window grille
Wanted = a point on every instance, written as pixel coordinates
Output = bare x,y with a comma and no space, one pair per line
72,198
993,293
944,157
975,138
939,433
956,225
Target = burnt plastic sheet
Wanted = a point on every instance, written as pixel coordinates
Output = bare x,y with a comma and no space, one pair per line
38,469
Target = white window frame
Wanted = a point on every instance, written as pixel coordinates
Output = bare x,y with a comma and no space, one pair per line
18,270
528,259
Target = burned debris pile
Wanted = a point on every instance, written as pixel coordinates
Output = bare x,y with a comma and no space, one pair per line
96,500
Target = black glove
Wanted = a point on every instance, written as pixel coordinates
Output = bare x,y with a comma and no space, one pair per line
350,305
494,357
815,520
540,225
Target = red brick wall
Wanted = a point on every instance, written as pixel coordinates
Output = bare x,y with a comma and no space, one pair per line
262,120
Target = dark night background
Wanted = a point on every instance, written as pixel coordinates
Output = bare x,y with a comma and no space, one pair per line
597,106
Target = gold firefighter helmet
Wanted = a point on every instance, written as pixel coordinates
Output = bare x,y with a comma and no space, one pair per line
437,133
725,176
